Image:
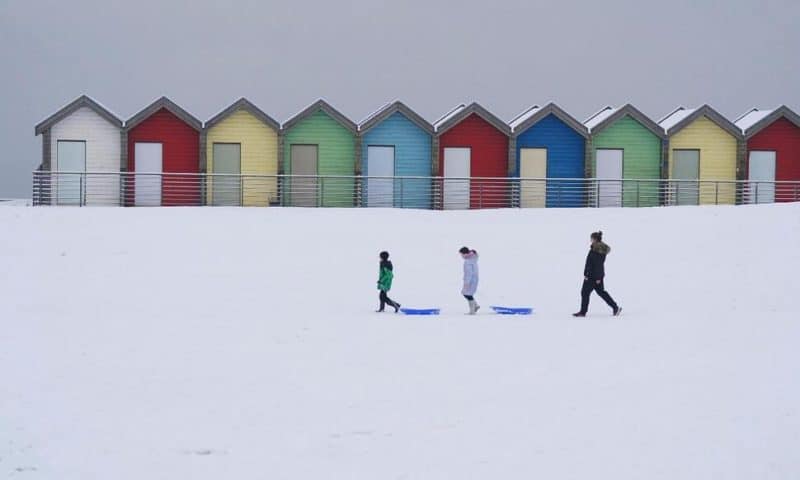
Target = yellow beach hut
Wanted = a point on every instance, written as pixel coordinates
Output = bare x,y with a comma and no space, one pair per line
240,150
703,156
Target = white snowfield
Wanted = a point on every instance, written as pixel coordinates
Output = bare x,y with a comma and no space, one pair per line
241,344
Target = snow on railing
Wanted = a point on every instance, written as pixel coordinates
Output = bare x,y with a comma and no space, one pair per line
447,193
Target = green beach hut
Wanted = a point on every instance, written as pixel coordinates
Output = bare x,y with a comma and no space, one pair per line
625,145
319,145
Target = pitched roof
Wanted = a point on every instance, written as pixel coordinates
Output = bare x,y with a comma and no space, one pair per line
608,115
598,117
455,116
682,117
72,107
390,109
247,106
447,116
534,115
171,107
328,109
756,120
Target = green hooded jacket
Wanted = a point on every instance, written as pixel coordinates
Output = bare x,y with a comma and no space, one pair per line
385,276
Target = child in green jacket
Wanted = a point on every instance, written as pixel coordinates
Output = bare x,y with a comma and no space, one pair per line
385,277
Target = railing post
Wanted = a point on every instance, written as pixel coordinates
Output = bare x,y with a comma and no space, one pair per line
80,189
402,204
480,196
756,195
321,193
716,193
241,190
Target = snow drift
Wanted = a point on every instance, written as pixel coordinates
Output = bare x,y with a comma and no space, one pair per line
241,343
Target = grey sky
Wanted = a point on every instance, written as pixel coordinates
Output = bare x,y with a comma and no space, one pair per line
359,54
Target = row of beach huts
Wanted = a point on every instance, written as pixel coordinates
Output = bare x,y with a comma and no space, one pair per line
468,142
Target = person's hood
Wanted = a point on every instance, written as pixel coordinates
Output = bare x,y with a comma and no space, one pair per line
602,248
471,256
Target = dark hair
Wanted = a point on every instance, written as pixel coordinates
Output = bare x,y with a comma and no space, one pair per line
384,255
598,235
463,250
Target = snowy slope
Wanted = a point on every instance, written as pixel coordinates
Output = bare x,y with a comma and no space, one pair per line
134,347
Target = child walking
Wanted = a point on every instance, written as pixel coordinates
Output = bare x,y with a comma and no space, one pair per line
470,278
593,274
385,277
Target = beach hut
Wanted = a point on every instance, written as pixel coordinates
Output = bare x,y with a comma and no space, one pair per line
549,143
473,149
162,139
624,144
703,145
396,142
240,149
773,154
320,142
82,137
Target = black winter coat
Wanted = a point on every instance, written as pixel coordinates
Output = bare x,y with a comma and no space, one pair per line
595,261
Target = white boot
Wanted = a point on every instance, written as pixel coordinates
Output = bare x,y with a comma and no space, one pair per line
473,307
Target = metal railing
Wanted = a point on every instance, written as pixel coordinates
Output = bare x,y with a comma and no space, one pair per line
196,189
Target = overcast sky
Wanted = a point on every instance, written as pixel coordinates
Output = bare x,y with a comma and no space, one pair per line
359,54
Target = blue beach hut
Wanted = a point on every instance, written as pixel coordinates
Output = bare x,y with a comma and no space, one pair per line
396,142
549,143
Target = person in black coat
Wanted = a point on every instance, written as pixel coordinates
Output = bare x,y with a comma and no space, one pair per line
593,274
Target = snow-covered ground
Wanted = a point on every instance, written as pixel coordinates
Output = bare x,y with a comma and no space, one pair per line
241,343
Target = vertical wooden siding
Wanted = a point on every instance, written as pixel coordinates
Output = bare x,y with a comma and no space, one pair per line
641,159
566,157
259,144
718,150
336,155
489,158
412,151
180,154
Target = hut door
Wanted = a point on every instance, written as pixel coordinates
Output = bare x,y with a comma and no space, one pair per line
226,185
533,165
148,165
762,169
304,192
609,174
71,160
686,167
456,178
380,163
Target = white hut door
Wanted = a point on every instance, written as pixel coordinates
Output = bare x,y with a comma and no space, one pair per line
380,163
148,166
71,166
762,169
609,176
532,165
456,178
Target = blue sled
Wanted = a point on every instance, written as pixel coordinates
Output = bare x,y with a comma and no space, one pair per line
512,310
420,311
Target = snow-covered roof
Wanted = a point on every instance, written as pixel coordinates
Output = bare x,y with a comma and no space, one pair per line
751,118
598,117
447,116
375,113
675,117
520,119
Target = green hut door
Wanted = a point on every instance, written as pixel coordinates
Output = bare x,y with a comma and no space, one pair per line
304,191
686,167
226,186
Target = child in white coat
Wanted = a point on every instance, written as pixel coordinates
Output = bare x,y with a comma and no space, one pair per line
470,286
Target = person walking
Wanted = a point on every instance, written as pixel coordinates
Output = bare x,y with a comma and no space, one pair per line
593,274
385,277
470,278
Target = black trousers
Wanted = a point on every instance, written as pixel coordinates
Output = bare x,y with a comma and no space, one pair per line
586,291
385,300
